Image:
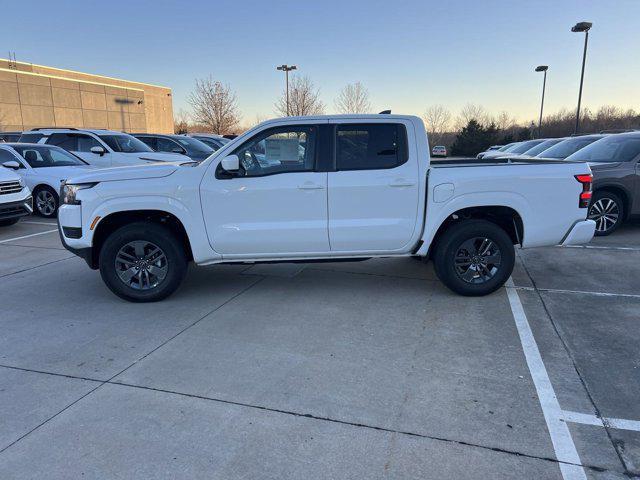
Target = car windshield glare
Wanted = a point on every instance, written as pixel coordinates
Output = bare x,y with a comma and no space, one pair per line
47,156
194,145
542,147
125,143
524,146
567,147
615,148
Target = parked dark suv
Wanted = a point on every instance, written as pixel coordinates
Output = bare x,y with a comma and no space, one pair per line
615,163
192,148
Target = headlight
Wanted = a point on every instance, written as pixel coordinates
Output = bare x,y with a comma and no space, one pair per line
69,191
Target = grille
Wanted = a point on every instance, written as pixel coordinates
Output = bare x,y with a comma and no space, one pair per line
9,187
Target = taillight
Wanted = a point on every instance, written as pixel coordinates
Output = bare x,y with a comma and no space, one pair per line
585,196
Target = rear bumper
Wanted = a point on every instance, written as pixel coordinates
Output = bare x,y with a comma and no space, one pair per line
581,232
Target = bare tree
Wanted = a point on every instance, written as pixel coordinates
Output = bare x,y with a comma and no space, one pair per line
181,122
437,120
505,121
214,106
472,112
353,98
304,99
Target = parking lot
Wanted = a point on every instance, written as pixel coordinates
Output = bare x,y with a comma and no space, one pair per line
330,370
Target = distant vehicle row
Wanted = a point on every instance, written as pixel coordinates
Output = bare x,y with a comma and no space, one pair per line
614,160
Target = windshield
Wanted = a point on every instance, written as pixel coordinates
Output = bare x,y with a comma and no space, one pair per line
542,146
125,143
567,147
193,145
524,146
616,148
506,147
41,156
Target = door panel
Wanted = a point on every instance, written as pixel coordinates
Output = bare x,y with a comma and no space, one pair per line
276,204
276,214
372,209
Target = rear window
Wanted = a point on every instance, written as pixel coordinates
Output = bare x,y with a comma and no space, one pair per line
30,137
567,147
370,146
125,143
616,148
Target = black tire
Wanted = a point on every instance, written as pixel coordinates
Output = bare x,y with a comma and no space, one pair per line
174,261
449,262
9,222
607,209
50,210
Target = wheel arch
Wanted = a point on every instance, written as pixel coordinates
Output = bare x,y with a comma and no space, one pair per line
505,217
621,192
115,220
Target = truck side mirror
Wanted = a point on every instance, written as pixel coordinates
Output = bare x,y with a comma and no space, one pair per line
230,163
98,150
12,164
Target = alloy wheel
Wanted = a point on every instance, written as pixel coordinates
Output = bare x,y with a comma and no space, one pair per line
45,203
141,265
605,212
477,260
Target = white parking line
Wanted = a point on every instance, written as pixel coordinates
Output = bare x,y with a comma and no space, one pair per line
589,419
27,236
579,292
565,449
602,247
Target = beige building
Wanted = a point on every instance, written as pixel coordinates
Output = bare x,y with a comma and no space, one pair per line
37,96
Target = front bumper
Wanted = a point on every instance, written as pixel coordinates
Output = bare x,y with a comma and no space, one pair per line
582,232
18,209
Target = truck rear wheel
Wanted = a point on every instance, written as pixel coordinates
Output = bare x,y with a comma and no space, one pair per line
142,262
474,257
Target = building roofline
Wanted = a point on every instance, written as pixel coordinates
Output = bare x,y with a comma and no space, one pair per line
11,70
81,73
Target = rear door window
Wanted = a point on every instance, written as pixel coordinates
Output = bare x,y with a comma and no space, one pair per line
370,146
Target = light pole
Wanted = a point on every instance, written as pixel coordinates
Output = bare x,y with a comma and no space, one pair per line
542,68
581,27
286,69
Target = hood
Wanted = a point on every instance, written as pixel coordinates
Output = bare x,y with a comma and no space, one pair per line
62,173
157,156
134,172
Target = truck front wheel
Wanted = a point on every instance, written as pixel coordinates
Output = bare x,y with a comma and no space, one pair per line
142,262
474,257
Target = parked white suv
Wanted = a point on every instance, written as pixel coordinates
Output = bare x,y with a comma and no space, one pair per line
15,197
102,148
322,188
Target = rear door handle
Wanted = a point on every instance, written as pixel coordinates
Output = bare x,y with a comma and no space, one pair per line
310,186
402,183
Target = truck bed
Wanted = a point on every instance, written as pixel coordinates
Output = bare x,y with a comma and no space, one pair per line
479,162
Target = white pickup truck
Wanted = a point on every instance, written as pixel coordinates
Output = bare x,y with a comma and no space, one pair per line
321,188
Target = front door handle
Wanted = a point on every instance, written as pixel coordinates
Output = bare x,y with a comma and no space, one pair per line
310,186
401,182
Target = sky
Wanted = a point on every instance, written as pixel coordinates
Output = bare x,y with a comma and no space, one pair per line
408,54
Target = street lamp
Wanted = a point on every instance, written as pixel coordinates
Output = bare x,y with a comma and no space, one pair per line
542,68
286,69
581,27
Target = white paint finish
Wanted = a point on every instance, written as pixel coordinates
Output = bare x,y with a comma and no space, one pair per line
582,232
443,192
273,214
376,209
271,218
561,438
590,419
27,236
